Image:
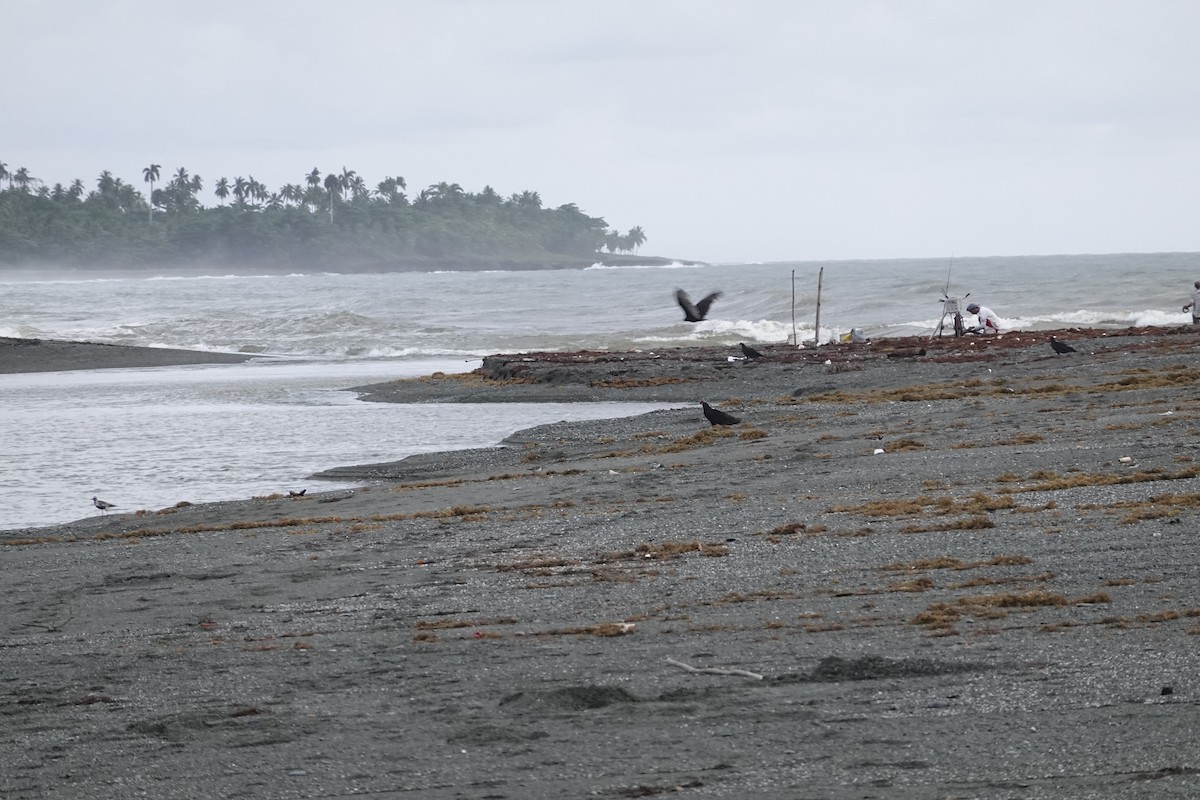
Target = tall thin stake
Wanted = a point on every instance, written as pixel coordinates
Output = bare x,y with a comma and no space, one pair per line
795,337
817,332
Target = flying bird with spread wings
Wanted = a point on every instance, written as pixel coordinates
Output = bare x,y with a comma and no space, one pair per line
697,312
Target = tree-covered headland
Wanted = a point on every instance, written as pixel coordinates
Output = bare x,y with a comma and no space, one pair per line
331,221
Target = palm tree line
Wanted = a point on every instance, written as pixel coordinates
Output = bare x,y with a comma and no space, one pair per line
322,209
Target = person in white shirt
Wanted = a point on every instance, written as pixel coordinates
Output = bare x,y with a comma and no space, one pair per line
1195,305
988,322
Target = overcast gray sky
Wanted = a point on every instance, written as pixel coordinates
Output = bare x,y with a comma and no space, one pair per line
760,130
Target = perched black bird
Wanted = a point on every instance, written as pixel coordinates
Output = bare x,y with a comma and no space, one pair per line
694,313
100,504
1061,347
718,417
750,352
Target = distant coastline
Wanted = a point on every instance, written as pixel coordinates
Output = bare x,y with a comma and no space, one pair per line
407,264
335,218
476,264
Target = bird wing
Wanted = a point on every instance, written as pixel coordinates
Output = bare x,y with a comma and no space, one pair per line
702,306
690,314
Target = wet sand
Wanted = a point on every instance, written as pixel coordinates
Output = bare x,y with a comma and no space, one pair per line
965,573
50,355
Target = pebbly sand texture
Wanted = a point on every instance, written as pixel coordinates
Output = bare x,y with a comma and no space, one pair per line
1003,603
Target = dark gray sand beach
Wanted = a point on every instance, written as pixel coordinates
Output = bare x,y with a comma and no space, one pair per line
50,355
967,572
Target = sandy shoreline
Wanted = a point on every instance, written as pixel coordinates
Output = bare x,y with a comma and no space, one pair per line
51,355
1003,603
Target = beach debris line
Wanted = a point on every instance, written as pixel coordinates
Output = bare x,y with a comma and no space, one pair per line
714,670
1061,347
101,504
906,352
697,312
718,417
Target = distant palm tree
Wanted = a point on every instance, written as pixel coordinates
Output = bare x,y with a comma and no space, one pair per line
314,197
443,193
22,179
76,190
636,237
260,190
488,196
196,185
527,199
239,189
4,174
313,178
255,190
389,189
347,180
106,183
222,189
292,193
333,183
150,175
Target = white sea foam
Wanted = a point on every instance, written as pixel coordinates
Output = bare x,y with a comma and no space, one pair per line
673,265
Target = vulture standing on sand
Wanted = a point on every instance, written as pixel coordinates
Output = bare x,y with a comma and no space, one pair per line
697,312
718,417
749,352
1061,347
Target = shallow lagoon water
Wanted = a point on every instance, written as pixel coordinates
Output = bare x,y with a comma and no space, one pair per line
150,438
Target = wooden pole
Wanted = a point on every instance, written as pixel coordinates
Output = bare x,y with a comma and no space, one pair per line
817,332
795,337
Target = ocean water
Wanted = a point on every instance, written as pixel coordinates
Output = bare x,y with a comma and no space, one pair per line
148,438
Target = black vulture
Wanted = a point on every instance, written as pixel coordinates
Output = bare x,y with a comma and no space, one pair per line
1061,347
718,417
697,312
749,352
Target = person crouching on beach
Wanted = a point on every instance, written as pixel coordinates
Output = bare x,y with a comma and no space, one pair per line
988,323
1195,304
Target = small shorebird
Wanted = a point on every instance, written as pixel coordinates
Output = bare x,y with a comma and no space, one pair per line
102,505
293,493
749,352
697,312
1061,347
718,417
